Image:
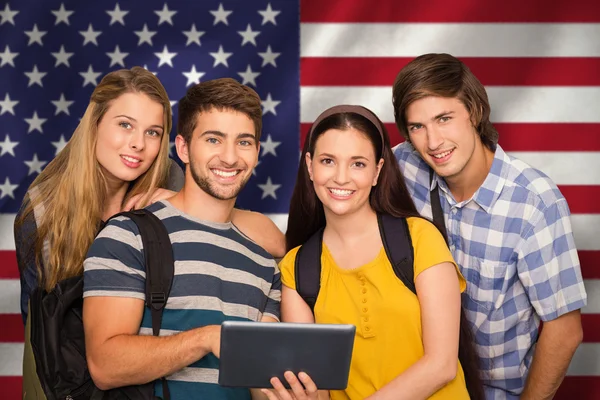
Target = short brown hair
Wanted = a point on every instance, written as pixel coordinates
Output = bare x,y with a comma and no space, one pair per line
220,94
445,76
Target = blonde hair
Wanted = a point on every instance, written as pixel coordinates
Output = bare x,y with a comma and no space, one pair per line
72,189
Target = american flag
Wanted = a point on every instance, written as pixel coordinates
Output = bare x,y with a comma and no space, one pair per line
540,62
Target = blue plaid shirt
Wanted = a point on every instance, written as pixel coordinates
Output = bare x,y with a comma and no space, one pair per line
514,244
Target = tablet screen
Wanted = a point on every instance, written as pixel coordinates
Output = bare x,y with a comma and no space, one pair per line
254,352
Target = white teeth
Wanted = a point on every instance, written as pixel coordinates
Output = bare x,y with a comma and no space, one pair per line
130,159
339,192
442,155
225,174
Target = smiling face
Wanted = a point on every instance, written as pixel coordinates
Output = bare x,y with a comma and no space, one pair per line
440,129
343,169
222,152
129,136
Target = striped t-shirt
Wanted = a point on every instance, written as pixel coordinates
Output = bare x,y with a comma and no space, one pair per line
220,275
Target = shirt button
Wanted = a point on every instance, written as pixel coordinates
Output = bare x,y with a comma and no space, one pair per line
364,300
366,319
364,290
367,329
365,309
454,211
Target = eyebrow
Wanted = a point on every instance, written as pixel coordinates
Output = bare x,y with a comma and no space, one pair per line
352,158
135,120
243,135
440,115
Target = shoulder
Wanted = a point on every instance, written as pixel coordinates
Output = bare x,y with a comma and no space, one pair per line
290,258
535,186
422,228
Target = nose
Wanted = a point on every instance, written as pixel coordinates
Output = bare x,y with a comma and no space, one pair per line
137,141
435,139
341,175
229,154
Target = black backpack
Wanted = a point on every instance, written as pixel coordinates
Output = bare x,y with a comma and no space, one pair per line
399,250
55,365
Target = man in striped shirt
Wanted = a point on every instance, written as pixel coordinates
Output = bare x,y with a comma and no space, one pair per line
220,274
508,228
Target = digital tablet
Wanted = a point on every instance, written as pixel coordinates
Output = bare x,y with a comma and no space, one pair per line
254,352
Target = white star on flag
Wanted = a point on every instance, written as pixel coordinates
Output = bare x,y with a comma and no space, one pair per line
35,165
62,57
269,105
269,146
7,15
193,36
35,76
193,76
221,57
117,57
268,189
90,77
35,123
221,15
62,15
62,105
90,36
7,189
35,36
248,76
117,15
7,147
269,15
165,57
165,15
269,57
249,36
145,35
7,57
8,105
60,144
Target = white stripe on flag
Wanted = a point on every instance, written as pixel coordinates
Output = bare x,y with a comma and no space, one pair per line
592,288
564,168
458,39
586,227
586,361
509,104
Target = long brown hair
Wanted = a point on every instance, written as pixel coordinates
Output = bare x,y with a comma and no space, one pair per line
390,196
443,75
72,189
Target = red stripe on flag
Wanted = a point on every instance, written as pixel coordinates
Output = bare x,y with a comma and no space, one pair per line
579,387
526,137
380,71
8,265
591,328
11,387
573,387
12,328
583,200
590,264
450,11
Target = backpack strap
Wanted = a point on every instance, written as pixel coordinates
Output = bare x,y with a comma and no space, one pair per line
398,248
436,207
160,267
307,269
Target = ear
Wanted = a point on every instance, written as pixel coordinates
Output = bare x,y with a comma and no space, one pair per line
182,149
379,166
308,160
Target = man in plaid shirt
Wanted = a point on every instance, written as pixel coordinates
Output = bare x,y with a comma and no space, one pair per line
508,228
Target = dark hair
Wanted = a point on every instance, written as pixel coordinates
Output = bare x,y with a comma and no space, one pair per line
445,76
220,94
390,196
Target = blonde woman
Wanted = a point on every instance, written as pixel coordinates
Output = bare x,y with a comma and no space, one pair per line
116,159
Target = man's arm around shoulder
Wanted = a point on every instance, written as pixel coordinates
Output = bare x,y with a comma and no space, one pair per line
117,356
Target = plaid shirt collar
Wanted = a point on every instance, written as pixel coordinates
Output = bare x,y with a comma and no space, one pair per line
492,186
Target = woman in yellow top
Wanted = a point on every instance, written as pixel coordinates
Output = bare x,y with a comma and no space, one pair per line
406,346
